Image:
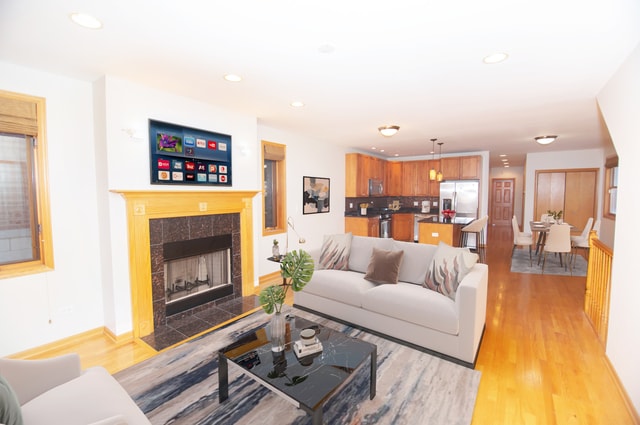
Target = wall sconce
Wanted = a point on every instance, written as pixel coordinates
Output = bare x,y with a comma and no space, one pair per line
388,130
545,140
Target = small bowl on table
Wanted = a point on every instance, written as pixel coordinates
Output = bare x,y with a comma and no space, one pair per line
308,336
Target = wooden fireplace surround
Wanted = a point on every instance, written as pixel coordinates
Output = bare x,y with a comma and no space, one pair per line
143,206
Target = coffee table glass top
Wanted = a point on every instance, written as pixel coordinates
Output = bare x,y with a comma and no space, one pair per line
309,380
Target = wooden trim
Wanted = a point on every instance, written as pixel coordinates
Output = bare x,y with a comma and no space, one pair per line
60,344
623,392
280,187
142,206
268,280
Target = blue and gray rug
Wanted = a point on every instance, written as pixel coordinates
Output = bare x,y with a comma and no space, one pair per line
520,264
180,386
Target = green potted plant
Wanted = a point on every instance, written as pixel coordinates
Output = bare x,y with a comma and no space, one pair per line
296,269
557,215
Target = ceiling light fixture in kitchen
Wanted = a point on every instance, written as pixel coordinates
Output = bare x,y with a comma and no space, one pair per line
439,176
432,171
388,130
86,20
545,140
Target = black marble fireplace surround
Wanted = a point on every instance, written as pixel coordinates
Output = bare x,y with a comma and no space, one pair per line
165,231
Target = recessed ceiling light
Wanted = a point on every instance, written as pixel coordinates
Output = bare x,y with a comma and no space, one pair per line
233,78
326,48
506,166
86,20
373,148
504,160
396,154
381,150
503,154
495,58
297,104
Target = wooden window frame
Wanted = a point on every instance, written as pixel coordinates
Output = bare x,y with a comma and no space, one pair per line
277,153
40,189
611,167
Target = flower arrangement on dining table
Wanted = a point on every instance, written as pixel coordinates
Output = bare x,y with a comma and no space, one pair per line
557,215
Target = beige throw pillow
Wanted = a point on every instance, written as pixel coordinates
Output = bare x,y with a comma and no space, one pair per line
449,266
384,266
335,250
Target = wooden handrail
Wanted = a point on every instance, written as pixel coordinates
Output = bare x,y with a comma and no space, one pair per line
598,286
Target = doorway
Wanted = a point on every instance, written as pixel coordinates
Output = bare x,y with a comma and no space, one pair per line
501,206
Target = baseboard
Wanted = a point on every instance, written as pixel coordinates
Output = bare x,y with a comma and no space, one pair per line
623,392
268,280
57,345
118,339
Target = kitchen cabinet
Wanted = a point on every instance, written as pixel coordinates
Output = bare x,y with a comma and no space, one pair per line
415,178
450,168
433,233
470,167
362,226
393,178
434,185
402,227
358,170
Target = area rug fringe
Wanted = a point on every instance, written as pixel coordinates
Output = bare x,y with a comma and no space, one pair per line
180,386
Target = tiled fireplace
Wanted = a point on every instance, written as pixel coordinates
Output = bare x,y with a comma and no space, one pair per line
157,219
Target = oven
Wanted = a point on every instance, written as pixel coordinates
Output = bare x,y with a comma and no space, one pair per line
385,225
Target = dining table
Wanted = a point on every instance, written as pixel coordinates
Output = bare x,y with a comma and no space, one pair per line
540,229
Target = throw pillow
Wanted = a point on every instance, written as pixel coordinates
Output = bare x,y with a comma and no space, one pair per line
384,266
10,413
334,253
449,266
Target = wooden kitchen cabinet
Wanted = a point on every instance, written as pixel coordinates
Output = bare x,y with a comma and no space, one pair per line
359,169
434,185
434,232
450,168
415,178
402,227
362,226
393,178
470,167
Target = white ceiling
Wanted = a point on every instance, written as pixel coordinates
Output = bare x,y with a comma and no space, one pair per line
416,64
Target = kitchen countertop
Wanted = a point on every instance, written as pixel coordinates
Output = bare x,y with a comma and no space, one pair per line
455,220
376,212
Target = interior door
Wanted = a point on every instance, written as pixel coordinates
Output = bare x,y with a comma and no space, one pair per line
502,202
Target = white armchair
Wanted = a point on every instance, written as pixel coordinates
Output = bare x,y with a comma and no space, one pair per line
57,391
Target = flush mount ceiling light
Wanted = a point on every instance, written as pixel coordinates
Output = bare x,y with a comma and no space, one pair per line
297,104
495,58
85,20
388,130
233,78
545,140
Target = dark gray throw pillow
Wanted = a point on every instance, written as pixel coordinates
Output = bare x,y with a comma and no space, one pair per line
10,412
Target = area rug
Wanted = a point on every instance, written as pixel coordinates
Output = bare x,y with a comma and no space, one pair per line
520,264
180,386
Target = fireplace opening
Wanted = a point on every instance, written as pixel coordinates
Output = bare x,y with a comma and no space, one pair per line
197,271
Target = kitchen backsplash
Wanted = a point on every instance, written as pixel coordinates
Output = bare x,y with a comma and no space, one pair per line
406,203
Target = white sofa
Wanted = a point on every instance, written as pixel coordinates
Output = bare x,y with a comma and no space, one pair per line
57,391
407,310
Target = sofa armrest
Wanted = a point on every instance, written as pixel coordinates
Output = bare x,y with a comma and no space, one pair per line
113,420
30,378
471,306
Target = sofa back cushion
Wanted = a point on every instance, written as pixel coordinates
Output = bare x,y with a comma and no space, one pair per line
362,248
417,257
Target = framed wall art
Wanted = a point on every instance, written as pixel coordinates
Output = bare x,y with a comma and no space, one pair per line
188,156
315,195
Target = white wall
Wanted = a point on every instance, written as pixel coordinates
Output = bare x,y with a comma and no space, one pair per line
305,157
45,307
619,102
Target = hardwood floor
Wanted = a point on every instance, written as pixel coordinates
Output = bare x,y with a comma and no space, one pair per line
540,359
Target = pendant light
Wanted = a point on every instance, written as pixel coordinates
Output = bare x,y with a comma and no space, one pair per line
432,172
439,175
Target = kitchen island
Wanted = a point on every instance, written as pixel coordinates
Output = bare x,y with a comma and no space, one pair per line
435,230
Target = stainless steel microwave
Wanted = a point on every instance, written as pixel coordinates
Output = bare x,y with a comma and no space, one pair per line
375,187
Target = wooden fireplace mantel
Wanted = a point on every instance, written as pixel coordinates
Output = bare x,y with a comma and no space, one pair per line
143,206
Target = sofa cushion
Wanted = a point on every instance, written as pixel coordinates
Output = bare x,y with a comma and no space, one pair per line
10,412
449,266
412,303
384,266
343,286
334,254
91,397
417,257
362,248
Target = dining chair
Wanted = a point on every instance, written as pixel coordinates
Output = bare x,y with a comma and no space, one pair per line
558,241
476,227
584,236
582,241
521,239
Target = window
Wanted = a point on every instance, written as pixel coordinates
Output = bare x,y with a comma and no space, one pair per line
273,188
25,225
611,187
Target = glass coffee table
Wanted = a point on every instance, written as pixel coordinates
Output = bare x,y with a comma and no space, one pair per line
306,382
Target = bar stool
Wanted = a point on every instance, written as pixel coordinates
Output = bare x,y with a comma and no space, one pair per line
476,227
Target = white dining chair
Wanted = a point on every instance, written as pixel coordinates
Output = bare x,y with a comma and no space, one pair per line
558,241
582,241
521,239
584,236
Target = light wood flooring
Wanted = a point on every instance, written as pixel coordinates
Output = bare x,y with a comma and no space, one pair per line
540,359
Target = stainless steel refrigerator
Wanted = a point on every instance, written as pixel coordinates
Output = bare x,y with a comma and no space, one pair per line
460,196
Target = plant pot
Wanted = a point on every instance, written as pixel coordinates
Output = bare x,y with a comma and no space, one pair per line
277,331
275,251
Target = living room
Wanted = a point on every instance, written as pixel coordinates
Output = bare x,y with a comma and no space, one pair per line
89,287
